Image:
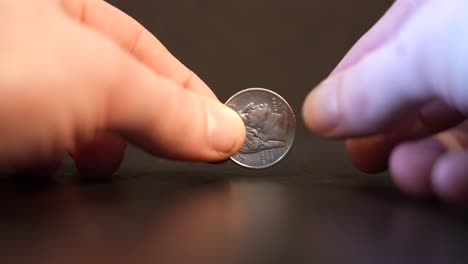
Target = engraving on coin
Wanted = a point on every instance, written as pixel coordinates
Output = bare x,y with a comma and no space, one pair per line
270,126
265,129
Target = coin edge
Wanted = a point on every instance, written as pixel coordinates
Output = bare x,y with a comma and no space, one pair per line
293,134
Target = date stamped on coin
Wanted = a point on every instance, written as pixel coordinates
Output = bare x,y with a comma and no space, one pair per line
270,125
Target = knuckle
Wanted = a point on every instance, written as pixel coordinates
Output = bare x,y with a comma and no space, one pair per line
187,78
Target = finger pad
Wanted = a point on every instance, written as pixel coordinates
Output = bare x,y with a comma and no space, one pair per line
411,165
451,177
369,154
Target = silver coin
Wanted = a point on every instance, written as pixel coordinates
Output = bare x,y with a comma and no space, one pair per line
270,124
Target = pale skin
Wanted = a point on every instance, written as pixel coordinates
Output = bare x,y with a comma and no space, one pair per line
400,99
82,77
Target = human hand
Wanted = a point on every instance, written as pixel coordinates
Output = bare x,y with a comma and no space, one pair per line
82,77
400,96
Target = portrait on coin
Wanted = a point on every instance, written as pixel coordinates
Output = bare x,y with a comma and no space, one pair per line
266,129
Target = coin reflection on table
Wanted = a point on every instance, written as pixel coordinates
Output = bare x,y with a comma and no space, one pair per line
270,125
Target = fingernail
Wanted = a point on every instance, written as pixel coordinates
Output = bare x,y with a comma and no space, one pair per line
225,129
320,109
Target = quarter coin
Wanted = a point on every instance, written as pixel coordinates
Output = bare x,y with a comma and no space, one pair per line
270,125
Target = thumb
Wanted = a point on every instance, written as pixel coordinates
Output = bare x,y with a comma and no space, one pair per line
167,120
150,111
421,63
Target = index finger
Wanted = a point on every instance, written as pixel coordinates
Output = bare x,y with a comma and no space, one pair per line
134,38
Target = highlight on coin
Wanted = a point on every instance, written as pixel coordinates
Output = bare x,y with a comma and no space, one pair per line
270,124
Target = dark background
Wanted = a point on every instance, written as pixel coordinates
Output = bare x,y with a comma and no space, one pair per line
312,207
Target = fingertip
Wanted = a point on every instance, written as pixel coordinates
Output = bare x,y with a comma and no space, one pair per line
450,178
320,109
100,158
308,111
369,154
411,165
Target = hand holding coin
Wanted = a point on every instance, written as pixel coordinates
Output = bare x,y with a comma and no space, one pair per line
84,78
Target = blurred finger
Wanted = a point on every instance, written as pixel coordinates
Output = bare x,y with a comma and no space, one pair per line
450,177
100,158
365,99
416,169
137,40
393,80
412,163
371,154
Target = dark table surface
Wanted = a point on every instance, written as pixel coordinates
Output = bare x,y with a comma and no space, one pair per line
313,207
